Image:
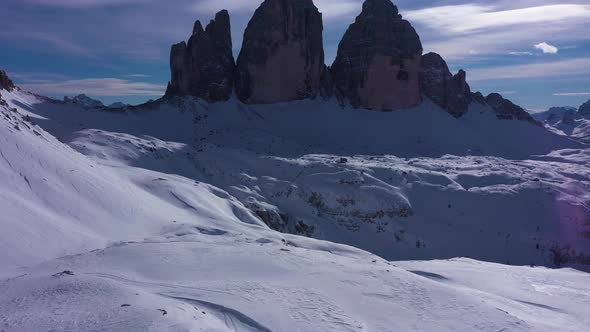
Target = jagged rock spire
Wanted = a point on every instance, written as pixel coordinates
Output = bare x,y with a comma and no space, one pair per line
204,67
378,60
447,91
282,56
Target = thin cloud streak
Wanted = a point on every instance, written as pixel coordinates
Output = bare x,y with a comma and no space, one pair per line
138,75
572,94
99,87
520,53
82,4
572,67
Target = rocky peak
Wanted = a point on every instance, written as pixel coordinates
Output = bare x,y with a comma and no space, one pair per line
507,110
84,101
5,82
204,67
447,91
282,56
478,97
584,110
378,61
198,28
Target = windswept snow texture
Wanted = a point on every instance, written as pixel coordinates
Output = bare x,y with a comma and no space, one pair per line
161,217
200,282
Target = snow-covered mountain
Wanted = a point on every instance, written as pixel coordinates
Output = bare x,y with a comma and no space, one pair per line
259,196
568,121
369,180
83,101
170,227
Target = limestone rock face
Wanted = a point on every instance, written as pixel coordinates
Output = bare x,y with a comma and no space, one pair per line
507,110
584,110
378,61
447,91
204,67
5,82
282,56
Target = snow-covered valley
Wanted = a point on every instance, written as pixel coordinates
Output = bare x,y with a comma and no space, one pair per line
163,217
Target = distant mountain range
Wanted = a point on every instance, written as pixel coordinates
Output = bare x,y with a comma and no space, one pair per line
568,121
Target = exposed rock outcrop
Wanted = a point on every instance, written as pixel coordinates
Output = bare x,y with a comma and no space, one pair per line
204,67
282,56
569,117
584,110
5,82
447,91
507,110
378,61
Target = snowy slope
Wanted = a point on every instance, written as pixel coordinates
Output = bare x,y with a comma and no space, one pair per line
519,197
215,282
148,241
56,201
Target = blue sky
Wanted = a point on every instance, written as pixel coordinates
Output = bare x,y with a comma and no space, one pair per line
535,52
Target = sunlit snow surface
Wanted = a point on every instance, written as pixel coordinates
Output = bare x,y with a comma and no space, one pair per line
160,214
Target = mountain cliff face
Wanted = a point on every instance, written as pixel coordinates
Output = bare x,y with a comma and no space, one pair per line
282,56
204,67
5,82
447,91
378,61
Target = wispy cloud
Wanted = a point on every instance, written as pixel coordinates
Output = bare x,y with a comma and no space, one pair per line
54,41
212,6
85,3
330,9
546,48
571,94
471,17
520,53
471,30
27,77
579,66
98,87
